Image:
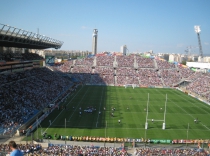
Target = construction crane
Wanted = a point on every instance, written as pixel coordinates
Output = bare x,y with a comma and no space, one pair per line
188,50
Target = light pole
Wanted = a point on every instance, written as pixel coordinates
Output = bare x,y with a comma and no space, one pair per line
105,134
65,131
198,30
187,133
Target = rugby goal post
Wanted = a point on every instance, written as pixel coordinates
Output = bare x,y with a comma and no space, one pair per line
130,85
164,117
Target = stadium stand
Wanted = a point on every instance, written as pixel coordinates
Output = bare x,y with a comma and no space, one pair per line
130,69
10,56
105,61
69,150
18,104
162,64
149,77
85,61
82,77
201,86
170,76
82,69
126,71
185,72
125,61
170,151
42,86
104,70
145,62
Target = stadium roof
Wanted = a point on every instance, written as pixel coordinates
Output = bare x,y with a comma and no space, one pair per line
15,37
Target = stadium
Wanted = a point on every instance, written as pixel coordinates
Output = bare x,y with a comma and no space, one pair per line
127,100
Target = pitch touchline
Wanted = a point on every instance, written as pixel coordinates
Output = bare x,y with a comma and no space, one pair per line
198,107
62,110
170,129
194,103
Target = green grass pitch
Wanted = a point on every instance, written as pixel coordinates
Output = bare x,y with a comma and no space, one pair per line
181,110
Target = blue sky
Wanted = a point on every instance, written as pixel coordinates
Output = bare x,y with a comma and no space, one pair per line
164,26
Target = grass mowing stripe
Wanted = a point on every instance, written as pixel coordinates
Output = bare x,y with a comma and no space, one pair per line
61,111
99,107
132,119
193,103
188,113
78,104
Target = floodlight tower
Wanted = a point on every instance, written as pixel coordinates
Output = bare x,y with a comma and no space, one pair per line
95,36
198,30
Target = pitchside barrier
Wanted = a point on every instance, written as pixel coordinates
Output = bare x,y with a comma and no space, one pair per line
126,140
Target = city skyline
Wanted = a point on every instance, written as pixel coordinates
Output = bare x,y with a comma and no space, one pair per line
162,26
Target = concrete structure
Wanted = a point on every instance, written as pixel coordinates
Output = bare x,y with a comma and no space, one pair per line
123,49
199,65
198,30
15,37
95,37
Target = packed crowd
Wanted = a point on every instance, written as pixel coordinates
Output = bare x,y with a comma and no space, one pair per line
66,67
149,77
105,61
24,148
172,152
67,150
207,96
201,86
121,80
185,72
145,62
82,77
164,64
125,61
132,80
102,79
108,79
84,150
170,76
18,103
10,56
97,79
31,56
125,71
84,61
104,70
194,76
82,69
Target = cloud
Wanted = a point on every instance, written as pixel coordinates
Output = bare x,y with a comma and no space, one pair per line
84,27
206,43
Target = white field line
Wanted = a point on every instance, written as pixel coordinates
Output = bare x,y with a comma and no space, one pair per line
194,104
99,107
197,107
133,128
187,112
62,111
78,105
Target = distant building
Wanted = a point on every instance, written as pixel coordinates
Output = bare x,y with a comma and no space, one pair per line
206,59
123,49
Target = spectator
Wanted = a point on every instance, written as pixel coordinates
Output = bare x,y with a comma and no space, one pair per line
15,151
